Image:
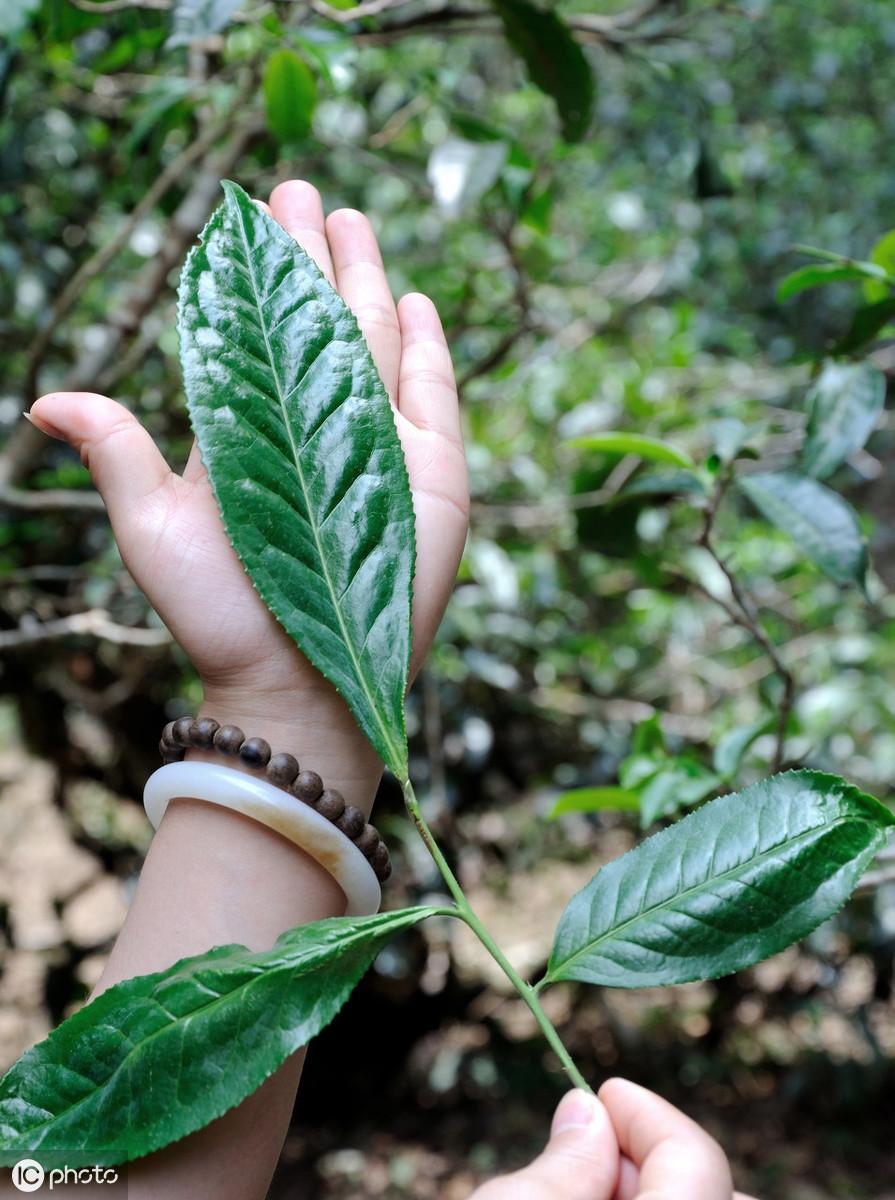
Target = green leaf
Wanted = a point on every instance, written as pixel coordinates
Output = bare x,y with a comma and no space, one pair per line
662,483
299,439
195,19
679,784
819,274
157,1057
290,95
734,744
618,442
883,255
866,324
844,405
818,521
595,799
556,63
723,888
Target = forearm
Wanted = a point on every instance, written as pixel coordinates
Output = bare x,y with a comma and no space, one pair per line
212,877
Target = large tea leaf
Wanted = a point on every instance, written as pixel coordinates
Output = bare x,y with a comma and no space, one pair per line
725,887
843,407
159,1056
816,518
298,436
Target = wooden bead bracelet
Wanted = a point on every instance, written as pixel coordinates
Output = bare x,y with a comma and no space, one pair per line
282,770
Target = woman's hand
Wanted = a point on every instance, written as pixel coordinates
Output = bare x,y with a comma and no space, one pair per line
628,1144
168,527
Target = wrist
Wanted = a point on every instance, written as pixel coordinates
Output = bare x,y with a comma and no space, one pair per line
313,723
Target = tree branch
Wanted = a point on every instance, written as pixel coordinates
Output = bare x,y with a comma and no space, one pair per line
96,622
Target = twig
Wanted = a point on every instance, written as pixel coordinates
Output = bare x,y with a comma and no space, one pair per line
748,618
96,622
94,6
72,499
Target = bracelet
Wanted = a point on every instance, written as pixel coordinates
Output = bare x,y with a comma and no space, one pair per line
256,798
284,772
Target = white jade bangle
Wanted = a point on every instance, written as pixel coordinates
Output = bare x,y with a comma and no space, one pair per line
274,808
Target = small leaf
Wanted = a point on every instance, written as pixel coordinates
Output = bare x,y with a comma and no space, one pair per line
844,405
818,521
595,799
556,63
883,255
866,324
819,274
298,436
157,1057
734,744
681,783
662,483
195,19
290,95
618,442
723,888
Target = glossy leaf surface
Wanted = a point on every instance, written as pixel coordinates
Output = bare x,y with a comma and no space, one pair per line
726,886
299,439
844,405
159,1056
556,63
816,518
290,94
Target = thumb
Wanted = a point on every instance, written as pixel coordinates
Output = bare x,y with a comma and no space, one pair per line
124,461
580,1161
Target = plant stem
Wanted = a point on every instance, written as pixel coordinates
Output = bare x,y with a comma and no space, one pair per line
466,914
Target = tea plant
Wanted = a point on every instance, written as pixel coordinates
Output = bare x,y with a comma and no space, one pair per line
297,434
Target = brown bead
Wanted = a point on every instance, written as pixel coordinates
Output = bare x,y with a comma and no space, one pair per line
367,840
330,804
182,731
282,769
380,862
168,733
255,752
203,734
307,787
351,822
169,752
228,739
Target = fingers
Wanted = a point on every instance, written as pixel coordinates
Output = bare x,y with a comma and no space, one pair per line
299,209
675,1159
360,278
427,391
580,1162
124,461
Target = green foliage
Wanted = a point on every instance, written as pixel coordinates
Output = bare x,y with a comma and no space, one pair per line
596,799
723,888
883,255
821,524
193,20
844,406
159,1056
613,442
290,94
555,61
299,440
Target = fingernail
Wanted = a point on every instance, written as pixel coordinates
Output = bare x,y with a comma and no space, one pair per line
576,1110
45,427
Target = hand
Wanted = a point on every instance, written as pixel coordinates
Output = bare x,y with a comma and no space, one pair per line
168,527
628,1144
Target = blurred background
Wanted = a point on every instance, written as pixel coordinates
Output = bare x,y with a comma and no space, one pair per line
603,202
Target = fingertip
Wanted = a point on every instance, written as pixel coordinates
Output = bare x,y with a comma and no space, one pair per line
577,1110
296,194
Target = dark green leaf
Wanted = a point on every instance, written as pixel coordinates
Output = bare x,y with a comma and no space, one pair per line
556,63
725,887
678,784
818,521
160,1056
299,439
866,324
595,799
618,442
843,407
819,274
662,483
194,19
290,95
